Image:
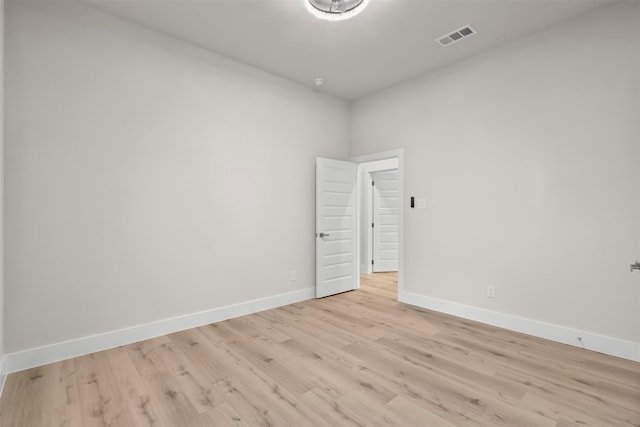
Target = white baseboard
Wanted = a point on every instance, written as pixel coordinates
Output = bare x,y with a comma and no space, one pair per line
600,343
31,358
363,269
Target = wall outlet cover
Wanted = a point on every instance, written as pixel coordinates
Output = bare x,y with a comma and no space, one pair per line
491,291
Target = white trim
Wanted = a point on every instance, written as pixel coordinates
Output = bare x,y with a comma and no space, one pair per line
26,359
391,154
358,225
600,343
367,213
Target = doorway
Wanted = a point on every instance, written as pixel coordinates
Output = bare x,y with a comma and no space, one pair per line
379,216
339,212
384,245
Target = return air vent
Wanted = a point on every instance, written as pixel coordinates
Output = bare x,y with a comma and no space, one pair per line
457,35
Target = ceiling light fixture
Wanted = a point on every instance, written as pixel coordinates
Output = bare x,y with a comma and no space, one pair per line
335,10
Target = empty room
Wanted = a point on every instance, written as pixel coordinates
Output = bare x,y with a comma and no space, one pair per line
320,213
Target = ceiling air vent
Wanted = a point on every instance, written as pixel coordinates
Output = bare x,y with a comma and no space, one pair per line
457,35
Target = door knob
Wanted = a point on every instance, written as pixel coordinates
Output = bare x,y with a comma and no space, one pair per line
635,266
323,235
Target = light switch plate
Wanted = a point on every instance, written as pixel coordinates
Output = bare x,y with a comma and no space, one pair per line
422,203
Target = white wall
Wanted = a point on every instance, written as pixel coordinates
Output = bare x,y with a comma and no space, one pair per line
146,178
529,157
1,194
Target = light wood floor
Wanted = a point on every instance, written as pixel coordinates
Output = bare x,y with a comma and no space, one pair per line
355,359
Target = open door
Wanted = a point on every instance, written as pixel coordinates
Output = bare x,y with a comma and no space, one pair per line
386,212
336,245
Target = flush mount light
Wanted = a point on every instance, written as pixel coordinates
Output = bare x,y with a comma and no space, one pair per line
335,10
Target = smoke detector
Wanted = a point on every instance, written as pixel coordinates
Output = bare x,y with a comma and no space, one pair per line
317,83
451,38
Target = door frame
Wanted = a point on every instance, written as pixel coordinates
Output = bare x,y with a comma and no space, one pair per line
384,155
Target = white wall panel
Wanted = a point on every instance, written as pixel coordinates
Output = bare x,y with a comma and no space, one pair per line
147,178
529,158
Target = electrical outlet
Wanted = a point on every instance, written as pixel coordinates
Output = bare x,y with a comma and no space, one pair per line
491,291
293,276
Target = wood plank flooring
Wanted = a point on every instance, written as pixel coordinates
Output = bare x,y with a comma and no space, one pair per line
354,359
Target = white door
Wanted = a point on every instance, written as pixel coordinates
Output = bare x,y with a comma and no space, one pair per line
336,246
386,210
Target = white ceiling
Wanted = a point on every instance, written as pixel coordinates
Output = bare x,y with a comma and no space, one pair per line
389,42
